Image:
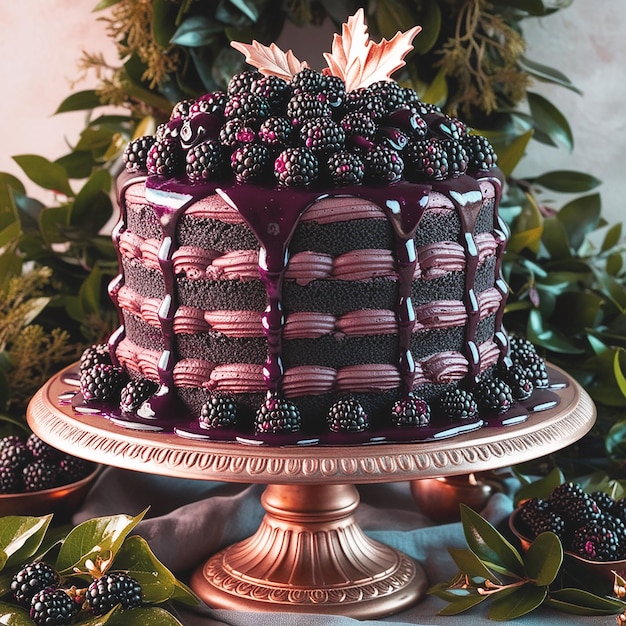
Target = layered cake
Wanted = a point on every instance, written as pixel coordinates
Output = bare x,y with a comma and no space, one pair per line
311,256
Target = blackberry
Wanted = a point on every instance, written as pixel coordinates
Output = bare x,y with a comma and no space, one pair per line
619,509
73,469
594,542
296,167
537,372
250,162
583,510
275,89
603,500
493,394
426,159
348,416
101,382
481,154
204,161
308,81
521,349
363,101
458,159
550,521
445,126
98,353
236,133
457,403
242,82
247,106
53,606
334,91
410,411
213,102
42,451
390,93
358,124
564,495
322,135
305,106
135,392
15,454
277,415
276,132
219,411
11,479
345,168
40,475
532,509
9,440
408,121
31,579
383,164
135,154
165,158
169,131
111,589
182,109
516,378
392,138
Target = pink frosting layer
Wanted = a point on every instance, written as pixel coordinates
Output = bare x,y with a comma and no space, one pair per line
304,380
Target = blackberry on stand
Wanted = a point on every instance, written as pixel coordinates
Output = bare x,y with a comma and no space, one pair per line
345,168
219,411
277,415
411,411
251,163
458,404
347,416
383,164
296,167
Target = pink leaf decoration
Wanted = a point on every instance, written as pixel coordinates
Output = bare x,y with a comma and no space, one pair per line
360,62
270,61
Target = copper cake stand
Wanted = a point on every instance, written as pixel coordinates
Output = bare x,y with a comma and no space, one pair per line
309,555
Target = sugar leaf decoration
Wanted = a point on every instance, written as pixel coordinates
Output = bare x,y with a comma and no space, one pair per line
270,60
360,62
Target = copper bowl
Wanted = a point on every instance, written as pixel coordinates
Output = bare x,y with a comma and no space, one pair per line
605,569
59,500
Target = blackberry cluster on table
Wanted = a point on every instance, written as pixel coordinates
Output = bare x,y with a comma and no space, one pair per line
29,464
52,599
592,526
263,127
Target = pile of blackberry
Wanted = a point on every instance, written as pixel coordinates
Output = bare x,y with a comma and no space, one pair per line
592,526
28,464
50,599
307,131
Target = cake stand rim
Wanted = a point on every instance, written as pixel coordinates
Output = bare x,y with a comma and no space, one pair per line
96,439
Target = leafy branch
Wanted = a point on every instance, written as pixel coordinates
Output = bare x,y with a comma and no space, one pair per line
492,569
105,541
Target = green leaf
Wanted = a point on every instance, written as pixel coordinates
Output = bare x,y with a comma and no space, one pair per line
489,545
437,91
393,16
541,488
567,181
248,8
612,237
619,374
163,21
143,616
544,558
550,121
461,604
430,21
45,173
470,564
157,582
196,31
521,602
580,217
581,602
11,615
102,536
184,594
511,153
21,536
555,239
545,73
80,101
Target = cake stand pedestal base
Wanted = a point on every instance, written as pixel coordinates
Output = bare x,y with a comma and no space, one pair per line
310,556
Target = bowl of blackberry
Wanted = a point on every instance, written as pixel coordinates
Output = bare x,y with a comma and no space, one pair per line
37,479
591,526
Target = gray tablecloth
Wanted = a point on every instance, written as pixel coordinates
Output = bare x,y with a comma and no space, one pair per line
190,520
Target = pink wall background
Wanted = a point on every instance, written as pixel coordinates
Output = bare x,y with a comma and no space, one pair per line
42,42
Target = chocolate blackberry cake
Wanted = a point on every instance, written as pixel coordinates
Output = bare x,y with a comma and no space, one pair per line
311,256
